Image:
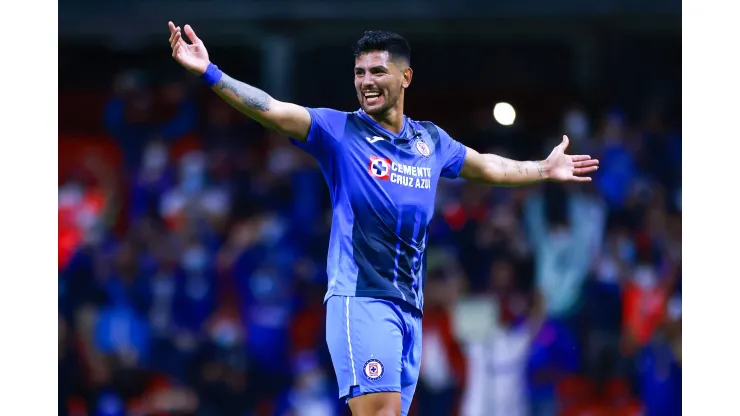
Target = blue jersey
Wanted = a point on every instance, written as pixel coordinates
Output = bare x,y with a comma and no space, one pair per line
382,188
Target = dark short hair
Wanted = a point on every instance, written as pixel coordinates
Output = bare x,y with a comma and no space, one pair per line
378,40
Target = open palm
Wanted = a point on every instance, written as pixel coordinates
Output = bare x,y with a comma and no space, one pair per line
567,168
192,56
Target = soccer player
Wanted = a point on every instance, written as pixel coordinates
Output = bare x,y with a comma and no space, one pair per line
382,170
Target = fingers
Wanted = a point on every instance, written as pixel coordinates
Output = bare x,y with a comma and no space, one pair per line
565,142
586,163
579,158
583,171
581,179
175,39
190,33
173,32
176,49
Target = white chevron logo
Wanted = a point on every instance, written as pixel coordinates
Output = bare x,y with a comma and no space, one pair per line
374,139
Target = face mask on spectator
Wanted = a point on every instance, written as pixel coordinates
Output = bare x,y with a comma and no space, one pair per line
225,334
626,249
192,183
608,271
155,157
192,171
194,259
645,277
263,285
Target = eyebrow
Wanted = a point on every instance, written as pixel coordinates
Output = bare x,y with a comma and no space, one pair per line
373,68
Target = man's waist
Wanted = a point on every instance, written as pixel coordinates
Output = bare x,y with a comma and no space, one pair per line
391,296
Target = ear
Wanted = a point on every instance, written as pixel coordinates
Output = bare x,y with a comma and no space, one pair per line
408,73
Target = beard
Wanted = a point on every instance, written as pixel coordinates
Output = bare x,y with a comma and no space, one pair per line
379,109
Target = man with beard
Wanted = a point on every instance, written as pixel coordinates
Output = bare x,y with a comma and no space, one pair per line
382,169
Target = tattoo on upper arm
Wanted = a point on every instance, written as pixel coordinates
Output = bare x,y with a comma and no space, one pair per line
251,97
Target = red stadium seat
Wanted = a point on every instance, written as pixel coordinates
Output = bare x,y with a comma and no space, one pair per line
573,390
590,408
604,408
185,145
617,391
159,382
75,150
628,407
70,233
69,239
76,406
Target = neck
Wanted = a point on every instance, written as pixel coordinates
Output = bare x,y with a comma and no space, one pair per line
392,119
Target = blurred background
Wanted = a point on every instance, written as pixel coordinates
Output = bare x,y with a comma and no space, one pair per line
192,243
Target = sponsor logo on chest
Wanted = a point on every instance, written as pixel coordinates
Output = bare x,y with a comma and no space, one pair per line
385,169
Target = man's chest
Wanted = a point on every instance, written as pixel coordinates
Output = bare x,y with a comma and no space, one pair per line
396,164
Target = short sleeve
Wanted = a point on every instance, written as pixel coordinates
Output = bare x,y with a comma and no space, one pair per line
327,128
453,155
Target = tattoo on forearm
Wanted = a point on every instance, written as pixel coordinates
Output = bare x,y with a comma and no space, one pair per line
519,168
247,95
539,170
503,165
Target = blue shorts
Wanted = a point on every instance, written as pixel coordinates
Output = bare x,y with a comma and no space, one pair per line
375,346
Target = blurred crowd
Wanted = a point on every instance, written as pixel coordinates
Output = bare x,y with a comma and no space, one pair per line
192,254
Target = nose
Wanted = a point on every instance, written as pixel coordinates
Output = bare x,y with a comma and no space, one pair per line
367,81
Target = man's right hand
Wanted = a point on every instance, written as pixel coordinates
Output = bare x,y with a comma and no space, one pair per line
285,118
193,56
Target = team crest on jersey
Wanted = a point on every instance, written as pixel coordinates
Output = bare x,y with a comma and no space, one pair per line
423,148
373,369
379,167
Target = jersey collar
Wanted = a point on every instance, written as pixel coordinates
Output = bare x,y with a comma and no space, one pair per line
401,134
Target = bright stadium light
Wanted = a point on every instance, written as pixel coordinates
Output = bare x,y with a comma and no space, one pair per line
504,114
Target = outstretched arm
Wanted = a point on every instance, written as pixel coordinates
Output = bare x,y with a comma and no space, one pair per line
496,170
285,118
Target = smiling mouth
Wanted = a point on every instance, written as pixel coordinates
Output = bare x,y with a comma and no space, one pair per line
372,96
